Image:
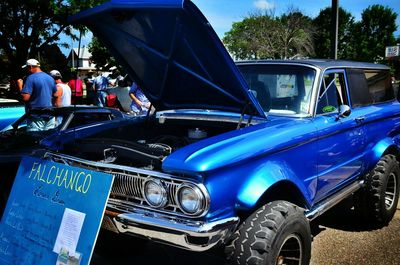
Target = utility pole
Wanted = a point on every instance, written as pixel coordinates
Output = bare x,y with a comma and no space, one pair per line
335,28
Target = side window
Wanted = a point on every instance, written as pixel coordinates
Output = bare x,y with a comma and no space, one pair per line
358,88
332,93
379,85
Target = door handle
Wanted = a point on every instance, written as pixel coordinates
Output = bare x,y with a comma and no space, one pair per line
359,119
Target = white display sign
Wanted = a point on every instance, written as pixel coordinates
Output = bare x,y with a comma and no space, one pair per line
392,51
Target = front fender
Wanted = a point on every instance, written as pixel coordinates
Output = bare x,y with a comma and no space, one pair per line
241,187
265,177
379,149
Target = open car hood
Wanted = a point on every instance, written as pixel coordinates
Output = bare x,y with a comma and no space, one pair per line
169,48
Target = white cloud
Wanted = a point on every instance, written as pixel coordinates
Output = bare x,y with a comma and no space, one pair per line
263,5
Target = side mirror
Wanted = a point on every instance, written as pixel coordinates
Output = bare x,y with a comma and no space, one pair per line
344,111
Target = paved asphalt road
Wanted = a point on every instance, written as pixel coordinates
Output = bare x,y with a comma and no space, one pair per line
343,241
338,240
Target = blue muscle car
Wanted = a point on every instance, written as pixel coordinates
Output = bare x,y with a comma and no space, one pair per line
242,155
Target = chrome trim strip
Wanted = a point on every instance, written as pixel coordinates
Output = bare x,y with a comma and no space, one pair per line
327,204
176,232
163,116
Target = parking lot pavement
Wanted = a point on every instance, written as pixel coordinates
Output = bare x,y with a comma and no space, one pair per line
339,239
343,241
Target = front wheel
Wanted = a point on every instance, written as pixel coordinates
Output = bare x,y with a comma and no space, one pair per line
277,233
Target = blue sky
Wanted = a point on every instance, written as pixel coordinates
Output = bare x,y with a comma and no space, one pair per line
222,13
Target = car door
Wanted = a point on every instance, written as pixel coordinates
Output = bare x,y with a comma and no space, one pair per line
341,140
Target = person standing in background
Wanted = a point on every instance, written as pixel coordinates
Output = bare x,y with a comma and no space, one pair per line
63,90
90,93
38,93
77,86
140,104
16,85
100,85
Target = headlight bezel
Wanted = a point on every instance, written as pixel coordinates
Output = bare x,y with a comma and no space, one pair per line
202,199
163,189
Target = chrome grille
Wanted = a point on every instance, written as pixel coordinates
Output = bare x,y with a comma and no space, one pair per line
128,188
126,192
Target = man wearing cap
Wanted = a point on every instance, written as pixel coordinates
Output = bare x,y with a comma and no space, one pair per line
38,93
63,90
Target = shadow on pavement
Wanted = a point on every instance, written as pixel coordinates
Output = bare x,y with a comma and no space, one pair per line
108,251
343,217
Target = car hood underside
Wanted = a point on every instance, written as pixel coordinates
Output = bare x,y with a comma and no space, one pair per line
169,49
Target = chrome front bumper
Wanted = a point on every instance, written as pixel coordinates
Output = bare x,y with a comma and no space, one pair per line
182,233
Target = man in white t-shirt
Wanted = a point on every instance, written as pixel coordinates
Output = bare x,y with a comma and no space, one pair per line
63,90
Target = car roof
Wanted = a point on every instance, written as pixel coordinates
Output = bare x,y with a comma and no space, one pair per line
322,64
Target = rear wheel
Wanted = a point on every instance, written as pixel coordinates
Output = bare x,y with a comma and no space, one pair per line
377,202
277,233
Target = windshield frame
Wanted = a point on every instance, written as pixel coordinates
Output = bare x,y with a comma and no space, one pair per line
313,88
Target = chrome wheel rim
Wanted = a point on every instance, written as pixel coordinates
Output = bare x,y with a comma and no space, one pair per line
391,190
291,251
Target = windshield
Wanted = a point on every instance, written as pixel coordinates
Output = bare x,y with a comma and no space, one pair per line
281,89
50,122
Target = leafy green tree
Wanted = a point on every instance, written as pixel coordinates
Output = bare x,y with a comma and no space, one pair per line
374,32
28,27
101,57
263,36
323,27
295,35
252,38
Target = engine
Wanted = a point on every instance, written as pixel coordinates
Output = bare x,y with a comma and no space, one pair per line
147,153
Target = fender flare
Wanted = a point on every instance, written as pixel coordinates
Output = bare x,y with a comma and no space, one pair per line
384,146
266,179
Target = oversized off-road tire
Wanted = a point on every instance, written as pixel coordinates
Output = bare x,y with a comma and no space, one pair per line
377,202
277,233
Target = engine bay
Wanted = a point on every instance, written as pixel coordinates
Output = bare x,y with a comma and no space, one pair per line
144,145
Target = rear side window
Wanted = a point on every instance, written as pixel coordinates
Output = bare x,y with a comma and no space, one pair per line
369,87
379,85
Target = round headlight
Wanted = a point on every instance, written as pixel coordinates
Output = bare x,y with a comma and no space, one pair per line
190,199
155,193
